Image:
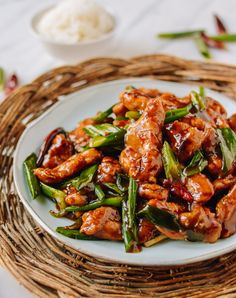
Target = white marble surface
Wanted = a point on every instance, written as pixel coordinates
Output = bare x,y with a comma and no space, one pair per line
139,23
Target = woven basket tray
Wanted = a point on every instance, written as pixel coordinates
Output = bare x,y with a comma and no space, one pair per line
47,267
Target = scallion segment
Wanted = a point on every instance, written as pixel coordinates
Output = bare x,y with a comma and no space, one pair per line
32,181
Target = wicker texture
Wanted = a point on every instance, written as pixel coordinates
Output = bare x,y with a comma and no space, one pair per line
47,267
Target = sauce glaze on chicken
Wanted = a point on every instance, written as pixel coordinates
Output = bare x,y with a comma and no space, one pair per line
151,164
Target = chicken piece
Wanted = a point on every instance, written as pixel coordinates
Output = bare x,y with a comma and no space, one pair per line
69,167
79,137
200,188
170,101
224,183
108,169
214,165
216,112
141,157
232,122
137,99
60,150
184,139
202,220
74,197
119,109
103,222
226,213
153,191
121,123
172,207
146,230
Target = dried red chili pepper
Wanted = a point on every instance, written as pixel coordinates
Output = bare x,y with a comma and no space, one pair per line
11,84
221,29
179,190
212,43
47,143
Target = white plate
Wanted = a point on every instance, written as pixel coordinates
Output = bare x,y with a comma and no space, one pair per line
67,113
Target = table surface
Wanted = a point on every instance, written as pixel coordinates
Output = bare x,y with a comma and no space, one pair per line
139,21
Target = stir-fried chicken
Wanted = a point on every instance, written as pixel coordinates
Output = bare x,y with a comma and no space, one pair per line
200,188
69,167
216,112
146,230
74,197
172,207
103,222
136,99
108,169
153,191
141,157
170,101
184,139
79,137
224,183
226,213
232,122
201,220
60,150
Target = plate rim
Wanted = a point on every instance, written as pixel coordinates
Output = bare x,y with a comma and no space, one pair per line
107,259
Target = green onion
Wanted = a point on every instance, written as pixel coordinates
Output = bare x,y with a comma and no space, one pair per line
116,138
202,47
103,115
171,166
197,101
179,34
99,192
175,114
227,140
85,177
120,182
32,181
224,37
75,234
129,225
202,92
114,201
197,164
100,129
113,187
55,194
132,115
161,218
2,79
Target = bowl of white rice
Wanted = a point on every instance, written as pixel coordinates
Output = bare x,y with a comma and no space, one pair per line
75,30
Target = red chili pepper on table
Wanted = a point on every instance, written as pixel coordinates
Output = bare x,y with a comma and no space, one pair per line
11,84
212,43
47,143
221,29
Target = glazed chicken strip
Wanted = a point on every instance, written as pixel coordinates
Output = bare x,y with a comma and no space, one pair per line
69,167
103,222
200,188
60,150
108,169
78,136
226,213
202,220
141,158
153,191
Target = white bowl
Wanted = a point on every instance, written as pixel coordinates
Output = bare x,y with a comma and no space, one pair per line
75,52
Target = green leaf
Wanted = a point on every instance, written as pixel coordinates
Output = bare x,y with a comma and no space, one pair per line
99,192
227,140
171,165
197,101
197,164
103,115
85,177
161,218
55,194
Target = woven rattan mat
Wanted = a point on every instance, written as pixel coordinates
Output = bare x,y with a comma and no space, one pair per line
47,267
